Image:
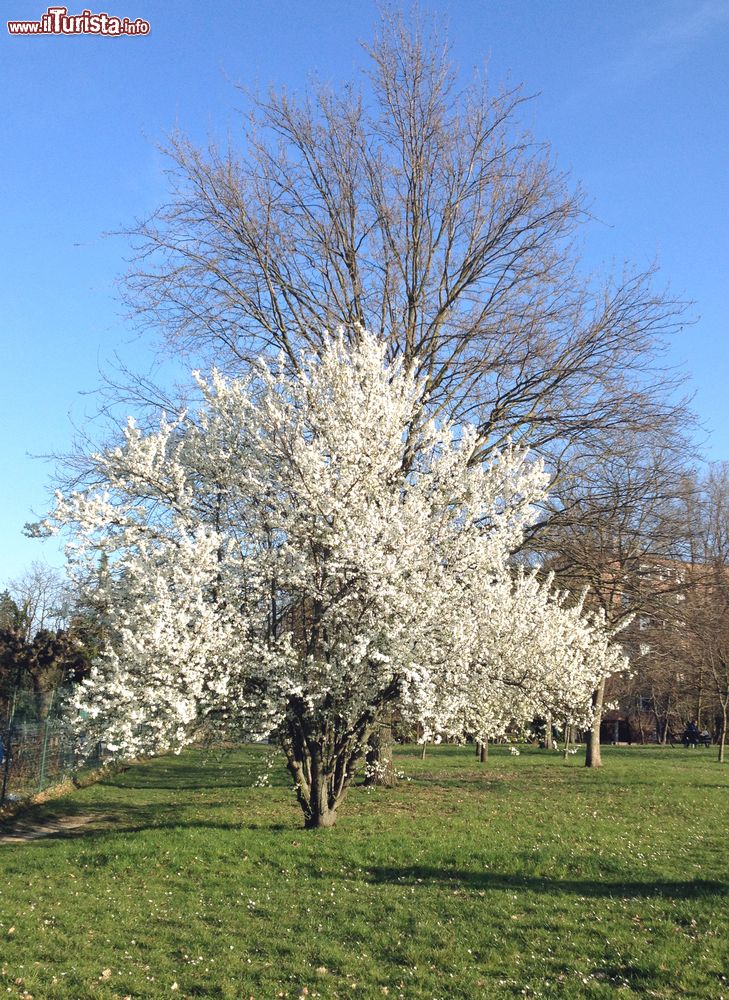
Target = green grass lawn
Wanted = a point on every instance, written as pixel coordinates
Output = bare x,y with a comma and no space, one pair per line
524,877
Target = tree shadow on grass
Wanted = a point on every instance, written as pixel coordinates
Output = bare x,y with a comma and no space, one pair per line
174,785
485,880
126,818
61,809
117,818
638,977
197,777
102,830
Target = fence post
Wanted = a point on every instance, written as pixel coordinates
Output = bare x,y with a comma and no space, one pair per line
7,746
6,764
44,752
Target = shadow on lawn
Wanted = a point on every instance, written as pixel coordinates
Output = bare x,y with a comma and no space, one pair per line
111,818
470,880
107,825
175,785
195,776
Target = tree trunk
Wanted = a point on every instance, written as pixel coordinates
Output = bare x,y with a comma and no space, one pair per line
322,758
7,750
483,751
378,758
548,738
322,806
699,703
722,738
593,756
322,780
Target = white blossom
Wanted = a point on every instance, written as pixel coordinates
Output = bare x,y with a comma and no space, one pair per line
307,551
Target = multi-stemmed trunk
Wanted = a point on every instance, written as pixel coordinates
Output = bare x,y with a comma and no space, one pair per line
322,752
321,778
593,757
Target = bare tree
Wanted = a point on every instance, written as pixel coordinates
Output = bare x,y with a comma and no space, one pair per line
696,642
45,640
428,214
616,535
42,595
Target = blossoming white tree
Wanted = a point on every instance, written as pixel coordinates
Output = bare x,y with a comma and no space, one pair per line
306,552
533,656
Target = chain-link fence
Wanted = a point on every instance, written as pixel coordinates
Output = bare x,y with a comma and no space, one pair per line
35,755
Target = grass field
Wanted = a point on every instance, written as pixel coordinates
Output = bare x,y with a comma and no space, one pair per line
526,877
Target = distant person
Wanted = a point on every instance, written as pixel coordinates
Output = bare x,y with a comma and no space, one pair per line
691,734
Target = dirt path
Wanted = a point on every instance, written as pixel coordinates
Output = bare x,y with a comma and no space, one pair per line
24,831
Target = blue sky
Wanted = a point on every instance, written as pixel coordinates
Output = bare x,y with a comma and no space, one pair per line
634,98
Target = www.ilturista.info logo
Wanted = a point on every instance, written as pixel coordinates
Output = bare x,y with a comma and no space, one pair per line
57,21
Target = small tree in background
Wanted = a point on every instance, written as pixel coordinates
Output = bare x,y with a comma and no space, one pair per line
42,593
46,642
617,536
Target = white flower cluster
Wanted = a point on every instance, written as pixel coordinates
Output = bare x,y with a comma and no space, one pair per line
530,656
308,550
